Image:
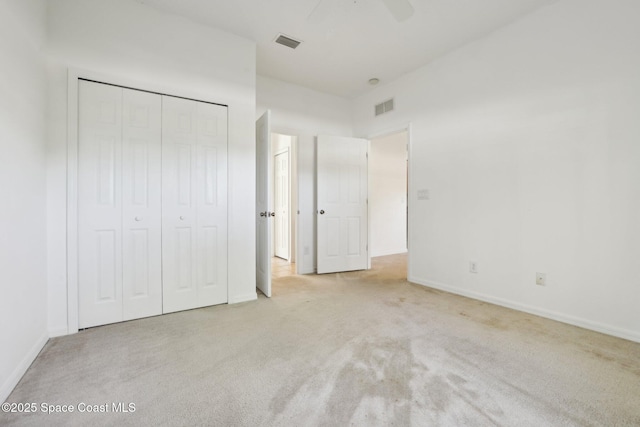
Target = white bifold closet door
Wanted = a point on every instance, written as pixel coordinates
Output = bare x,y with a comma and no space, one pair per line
152,204
119,206
194,203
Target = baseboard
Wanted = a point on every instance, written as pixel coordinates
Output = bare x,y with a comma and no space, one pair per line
560,317
243,298
53,333
386,252
22,367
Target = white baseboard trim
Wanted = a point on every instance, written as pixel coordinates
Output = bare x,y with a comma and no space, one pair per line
22,367
553,315
386,252
243,298
53,333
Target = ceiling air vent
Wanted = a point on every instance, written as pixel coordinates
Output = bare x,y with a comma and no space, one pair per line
384,107
287,41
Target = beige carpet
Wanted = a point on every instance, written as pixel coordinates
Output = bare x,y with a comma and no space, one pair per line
362,348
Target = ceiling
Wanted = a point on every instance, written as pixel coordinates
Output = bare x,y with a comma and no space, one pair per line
347,42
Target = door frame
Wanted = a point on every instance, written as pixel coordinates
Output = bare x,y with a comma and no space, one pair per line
410,184
74,75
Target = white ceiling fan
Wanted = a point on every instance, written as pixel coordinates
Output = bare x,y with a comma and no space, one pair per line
400,9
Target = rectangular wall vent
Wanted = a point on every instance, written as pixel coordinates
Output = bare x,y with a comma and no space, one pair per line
287,41
384,107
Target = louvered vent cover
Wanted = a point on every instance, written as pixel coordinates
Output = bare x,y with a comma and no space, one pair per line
384,107
287,41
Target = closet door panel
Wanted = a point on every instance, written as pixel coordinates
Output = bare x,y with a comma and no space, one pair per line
141,204
194,204
99,204
179,176
212,204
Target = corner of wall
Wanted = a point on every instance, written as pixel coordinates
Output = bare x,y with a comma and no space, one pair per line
18,372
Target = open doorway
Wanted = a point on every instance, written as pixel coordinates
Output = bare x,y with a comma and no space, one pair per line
284,199
388,196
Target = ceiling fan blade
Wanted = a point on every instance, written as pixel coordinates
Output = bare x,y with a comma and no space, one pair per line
400,9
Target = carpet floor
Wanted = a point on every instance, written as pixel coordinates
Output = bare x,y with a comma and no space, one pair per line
361,348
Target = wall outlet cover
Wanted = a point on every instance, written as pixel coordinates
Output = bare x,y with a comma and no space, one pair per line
541,279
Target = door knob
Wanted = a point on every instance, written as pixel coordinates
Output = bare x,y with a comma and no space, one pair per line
181,218
272,214
263,214
322,212
138,218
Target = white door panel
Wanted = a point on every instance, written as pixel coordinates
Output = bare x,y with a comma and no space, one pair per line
281,205
263,203
118,204
178,178
342,228
141,204
211,204
194,223
99,204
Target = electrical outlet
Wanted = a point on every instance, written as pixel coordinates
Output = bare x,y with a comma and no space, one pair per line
473,267
423,194
541,279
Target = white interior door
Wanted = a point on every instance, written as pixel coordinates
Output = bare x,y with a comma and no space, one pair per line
263,203
342,226
118,204
281,204
194,197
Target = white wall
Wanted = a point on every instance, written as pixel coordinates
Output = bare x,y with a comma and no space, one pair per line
23,304
137,45
388,194
527,141
304,113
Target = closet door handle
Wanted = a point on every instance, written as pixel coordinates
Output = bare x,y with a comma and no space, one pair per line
181,218
138,218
